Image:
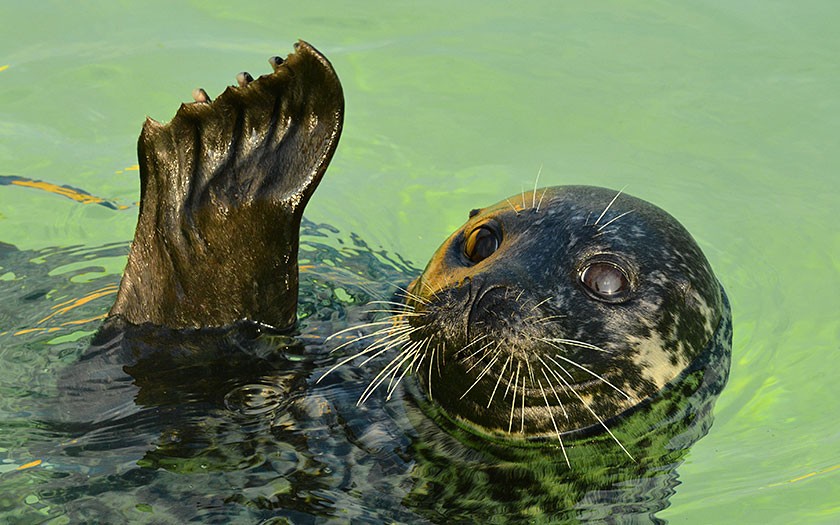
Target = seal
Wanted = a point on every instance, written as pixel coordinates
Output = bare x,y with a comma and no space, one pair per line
550,318
541,321
578,317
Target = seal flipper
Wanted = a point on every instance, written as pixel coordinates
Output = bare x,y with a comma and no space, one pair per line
223,188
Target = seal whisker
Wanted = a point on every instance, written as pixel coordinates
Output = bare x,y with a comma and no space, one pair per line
414,354
410,295
385,345
394,303
359,326
394,315
593,374
534,194
421,353
391,331
360,354
553,421
530,371
573,342
392,367
432,360
513,207
522,411
607,208
513,401
432,291
551,318
595,414
601,227
474,341
547,299
551,384
388,342
498,379
469,357
541,199
486,369
428,341
394,364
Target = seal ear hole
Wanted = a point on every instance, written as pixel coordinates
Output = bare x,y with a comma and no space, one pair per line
482,242
606,281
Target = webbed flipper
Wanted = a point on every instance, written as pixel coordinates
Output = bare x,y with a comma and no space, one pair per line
223,188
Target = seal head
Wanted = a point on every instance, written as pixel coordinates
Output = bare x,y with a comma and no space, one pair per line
552,317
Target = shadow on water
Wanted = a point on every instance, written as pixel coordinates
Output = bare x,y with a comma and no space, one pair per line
150,425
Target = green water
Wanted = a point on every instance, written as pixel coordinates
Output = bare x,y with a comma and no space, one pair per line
726,114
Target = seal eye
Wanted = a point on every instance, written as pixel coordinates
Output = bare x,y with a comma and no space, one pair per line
481,243
605,280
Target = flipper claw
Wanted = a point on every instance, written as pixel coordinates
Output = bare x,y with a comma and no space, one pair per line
199,95
244,78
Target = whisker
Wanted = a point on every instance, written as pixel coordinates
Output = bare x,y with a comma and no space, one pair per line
474,341
513,401
484,372
534,195
541,199
586,405
547,318
410,295
556,396
607,208
479,360
553,422
420,353
501,373
388,343
593,374
395,314
573,342
431,290
359,326
601,227
547,299
431,360
385,345
394,303
522,412
392,367
513,207
391,331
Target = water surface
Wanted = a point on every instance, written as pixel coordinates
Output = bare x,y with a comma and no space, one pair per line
724,114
